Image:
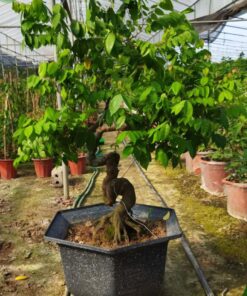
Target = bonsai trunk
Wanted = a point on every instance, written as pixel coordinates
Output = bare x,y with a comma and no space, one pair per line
119,222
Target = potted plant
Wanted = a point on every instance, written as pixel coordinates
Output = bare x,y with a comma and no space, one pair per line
235,186
7,145
54,137
109,269
213,171
193,164
109,266
78,166
35,143
165,93
215,167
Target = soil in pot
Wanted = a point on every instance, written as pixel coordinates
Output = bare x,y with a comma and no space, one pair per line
7,170
79,167
84,233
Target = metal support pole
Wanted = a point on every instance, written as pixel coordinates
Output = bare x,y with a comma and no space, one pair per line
208,41
59,106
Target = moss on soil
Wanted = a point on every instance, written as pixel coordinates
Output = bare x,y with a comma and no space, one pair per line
229,235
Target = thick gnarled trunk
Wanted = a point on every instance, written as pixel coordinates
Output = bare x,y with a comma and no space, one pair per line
119,222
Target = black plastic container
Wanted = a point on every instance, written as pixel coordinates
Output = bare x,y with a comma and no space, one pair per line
136,270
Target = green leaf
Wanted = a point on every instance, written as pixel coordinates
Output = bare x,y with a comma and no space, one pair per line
120,121
162,157
52,68
28,131
115,104
32,81
42,70
228,95
127,151
225,94
221,97
56,20
46,126
166,4
207,91
159,11
26,26
204,81
16,6
109,42
127,101
121,137
205,71
176,86
219,140
187,10
37,4
178,107
24,121
38,128
50,113
75,28
145,93
188,111
64,93
42,154
231,85
60,40
160,133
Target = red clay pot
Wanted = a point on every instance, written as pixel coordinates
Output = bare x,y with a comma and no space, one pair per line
236,199
43,167
7,170
212,175
193,165
79,167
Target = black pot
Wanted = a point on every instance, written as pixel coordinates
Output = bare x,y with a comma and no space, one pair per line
136,270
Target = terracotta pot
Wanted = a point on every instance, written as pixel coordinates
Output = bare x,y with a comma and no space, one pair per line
79,167
212,175
43,167
7,170
193,165
236,199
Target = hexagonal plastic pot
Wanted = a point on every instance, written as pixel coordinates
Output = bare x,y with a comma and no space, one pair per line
135,270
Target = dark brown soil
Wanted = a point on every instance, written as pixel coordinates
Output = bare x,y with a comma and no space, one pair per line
83,233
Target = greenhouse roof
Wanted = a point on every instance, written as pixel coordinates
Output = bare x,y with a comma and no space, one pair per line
217,22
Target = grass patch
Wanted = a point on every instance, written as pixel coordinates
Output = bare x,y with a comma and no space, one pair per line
227,234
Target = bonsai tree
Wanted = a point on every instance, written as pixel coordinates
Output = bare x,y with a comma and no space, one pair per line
166,94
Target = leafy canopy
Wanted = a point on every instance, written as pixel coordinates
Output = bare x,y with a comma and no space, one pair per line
167,92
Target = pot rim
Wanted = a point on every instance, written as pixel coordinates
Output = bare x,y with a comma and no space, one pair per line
6,159
172,226
82,155
213,162
204,152
235,184
41,159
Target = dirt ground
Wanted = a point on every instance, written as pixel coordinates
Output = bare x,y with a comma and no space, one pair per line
28,204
